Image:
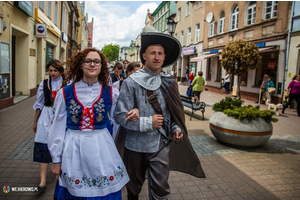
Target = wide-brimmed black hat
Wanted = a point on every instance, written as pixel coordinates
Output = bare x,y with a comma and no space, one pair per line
170,44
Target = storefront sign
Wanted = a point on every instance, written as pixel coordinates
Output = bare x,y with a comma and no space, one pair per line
188,51
26,6
262,44
64,37
214,51
41,30
271,65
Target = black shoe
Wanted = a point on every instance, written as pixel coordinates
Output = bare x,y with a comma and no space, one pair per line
282,111
41,189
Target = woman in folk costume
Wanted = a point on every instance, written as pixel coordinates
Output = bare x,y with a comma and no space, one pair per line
43,115
86,162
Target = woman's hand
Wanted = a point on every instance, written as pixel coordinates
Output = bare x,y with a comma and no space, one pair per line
133,115
56,170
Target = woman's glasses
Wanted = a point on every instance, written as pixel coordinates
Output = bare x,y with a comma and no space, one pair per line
89,62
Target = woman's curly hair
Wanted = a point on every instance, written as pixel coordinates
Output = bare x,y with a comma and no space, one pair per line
75,73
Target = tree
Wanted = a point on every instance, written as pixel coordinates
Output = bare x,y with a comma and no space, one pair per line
132,43
111,51
238,57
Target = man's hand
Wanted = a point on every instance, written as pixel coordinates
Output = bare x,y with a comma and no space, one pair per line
34,127
133,115
177,135
56,170
157,121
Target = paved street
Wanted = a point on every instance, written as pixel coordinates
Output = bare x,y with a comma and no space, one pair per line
271,171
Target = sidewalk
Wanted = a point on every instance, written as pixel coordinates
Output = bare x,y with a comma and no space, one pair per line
271,171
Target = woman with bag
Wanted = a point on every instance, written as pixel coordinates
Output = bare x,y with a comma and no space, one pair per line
269,88
293,92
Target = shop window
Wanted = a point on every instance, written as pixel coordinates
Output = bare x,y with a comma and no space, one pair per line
270,9
235,18
49,54
243,79
268,66
208,69
4,70
219,71
251,12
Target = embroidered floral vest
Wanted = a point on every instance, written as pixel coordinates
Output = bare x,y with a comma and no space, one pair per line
94,117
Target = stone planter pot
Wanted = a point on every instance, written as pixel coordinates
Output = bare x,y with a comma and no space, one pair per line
240,133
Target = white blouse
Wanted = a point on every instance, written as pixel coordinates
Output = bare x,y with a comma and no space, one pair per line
86,95
40,96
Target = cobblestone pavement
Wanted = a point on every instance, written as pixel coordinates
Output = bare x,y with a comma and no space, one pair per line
271,171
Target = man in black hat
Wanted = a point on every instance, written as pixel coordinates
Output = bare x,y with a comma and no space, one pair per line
148,144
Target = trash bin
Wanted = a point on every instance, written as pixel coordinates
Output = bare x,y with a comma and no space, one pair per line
234,91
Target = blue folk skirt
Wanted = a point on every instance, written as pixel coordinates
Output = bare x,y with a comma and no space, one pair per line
41,153
62,193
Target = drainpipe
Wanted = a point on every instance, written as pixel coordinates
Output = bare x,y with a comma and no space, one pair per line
61,14
288,47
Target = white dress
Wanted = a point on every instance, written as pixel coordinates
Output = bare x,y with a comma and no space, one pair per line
91,165
44,121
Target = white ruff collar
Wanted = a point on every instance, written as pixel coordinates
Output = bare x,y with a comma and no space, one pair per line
148,79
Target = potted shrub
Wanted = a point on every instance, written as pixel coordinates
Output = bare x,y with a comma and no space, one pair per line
237,125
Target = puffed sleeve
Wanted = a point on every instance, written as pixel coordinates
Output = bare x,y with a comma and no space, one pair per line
115,97
58,128
40,97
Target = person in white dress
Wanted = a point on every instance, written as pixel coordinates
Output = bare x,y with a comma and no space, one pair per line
43,114
86,162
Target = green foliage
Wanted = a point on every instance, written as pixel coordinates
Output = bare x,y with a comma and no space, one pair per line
132,43
233,108
111,51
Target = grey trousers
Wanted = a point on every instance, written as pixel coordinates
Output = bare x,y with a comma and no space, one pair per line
158,172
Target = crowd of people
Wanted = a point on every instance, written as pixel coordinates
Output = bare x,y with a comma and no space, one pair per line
86,115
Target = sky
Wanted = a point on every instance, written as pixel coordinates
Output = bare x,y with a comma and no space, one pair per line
117,22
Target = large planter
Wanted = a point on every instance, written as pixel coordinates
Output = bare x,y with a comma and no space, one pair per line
240,133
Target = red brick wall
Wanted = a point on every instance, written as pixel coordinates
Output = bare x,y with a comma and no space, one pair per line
4,103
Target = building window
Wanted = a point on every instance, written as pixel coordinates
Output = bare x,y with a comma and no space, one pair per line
199,5
42,5
187,11
56,13
270,9
179,14
221,23
263,69
188,41
49,9
176,36
208,70
197,33
235,18
251,13
211,29
163,23
181,38
89,31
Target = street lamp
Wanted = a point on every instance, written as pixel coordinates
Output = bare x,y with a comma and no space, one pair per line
137,47
171,26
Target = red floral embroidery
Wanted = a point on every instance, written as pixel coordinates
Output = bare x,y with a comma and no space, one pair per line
77,181
111,178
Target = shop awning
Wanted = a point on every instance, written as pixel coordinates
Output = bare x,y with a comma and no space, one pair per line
201,58
265,49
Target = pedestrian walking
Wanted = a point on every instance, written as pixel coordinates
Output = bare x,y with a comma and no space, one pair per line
147,141
293,93
262,89
187,72
269,84
191,77
86,162
198,84
43,115
227,82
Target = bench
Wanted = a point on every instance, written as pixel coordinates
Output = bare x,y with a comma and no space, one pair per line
187,101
